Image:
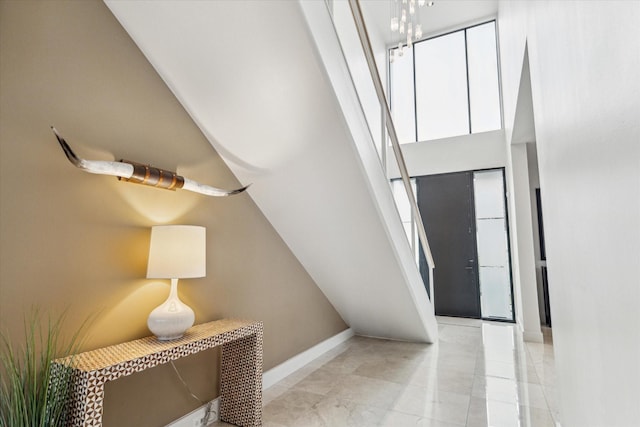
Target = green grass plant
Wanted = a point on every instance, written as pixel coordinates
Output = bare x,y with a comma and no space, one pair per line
28,396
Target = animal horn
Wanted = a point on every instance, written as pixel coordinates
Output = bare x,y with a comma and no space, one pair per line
142,174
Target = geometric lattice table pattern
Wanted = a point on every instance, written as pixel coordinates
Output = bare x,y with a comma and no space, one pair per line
240,376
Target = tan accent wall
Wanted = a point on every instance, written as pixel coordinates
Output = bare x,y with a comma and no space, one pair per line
76,241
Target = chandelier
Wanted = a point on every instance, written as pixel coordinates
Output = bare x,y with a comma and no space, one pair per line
405,20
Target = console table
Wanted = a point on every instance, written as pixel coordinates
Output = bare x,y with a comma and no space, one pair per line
240,377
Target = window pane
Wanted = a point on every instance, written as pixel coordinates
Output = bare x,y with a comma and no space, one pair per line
483,78
496,293
441,87
402,201
402,104
491,238
492,245
488,194
407,231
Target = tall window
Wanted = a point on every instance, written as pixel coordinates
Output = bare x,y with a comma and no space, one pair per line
447,86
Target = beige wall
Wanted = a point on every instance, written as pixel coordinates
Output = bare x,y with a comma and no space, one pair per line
80,241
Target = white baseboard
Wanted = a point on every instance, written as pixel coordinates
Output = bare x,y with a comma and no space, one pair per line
289,366
195,417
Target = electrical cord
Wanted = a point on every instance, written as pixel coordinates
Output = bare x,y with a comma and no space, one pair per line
184,383
207,415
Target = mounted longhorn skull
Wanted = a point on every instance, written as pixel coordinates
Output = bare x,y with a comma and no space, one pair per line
141,174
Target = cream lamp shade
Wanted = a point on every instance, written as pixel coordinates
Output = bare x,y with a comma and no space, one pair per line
175,252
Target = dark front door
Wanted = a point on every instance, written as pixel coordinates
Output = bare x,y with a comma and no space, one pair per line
446,206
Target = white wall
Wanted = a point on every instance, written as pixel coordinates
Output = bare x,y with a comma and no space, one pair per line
522,243
585,61
520,131
459,153
513,239
534,182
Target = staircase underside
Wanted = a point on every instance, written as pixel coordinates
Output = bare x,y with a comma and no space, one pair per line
250,76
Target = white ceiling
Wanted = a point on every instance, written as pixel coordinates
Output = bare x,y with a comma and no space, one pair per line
444,15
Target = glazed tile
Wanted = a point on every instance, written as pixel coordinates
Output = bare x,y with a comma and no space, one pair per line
331,412
273,392
551,394
546,372
346,363
435,404
398,419
296,376
513,371
490,413
290,406
509,391
368,391
394,371
321,381
477,374
459,363
432,377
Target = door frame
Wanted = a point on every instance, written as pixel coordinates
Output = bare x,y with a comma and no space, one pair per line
508,236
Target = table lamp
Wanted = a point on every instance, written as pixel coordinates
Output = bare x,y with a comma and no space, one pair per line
176,252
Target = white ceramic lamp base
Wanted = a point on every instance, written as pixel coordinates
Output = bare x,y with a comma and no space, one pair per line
171,319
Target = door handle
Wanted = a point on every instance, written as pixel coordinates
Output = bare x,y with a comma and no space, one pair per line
468,268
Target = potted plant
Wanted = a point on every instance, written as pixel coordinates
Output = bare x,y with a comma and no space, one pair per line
28,397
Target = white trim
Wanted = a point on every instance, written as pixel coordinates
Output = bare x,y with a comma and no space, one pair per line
533,336
459,27
289,366
196,416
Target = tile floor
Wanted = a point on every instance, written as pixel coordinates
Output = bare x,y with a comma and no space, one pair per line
478,374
